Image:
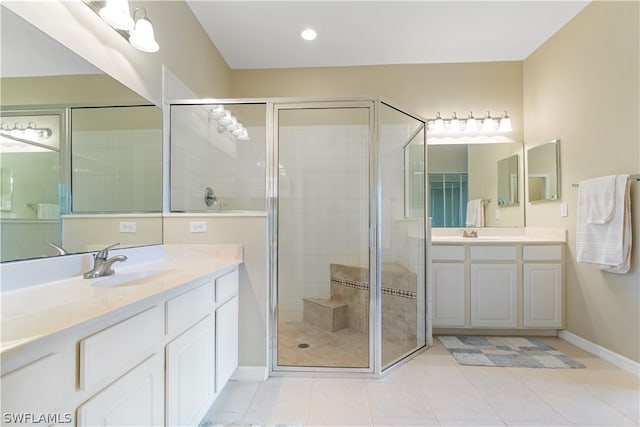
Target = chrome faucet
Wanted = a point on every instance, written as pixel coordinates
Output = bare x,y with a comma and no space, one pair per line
472,233
102,263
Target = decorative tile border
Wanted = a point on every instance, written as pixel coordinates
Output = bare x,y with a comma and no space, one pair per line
365,286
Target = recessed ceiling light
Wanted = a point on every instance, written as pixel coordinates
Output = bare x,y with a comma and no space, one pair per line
308,34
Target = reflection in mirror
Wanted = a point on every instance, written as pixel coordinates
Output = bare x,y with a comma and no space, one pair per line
459,173
508,182
542,172
42,72
215,165
30,165
414,177
116,159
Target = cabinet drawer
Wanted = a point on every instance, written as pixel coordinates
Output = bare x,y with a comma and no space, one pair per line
187,309
447,253
493,253
108,354
226,286
542,253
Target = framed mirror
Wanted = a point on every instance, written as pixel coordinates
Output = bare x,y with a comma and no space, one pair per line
543,166
459,173
508,181
44,85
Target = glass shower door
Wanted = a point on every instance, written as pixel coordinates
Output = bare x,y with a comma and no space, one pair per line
402,175
322,222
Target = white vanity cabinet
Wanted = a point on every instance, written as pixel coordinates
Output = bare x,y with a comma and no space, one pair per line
543,290
448,278
161,360
496,286
203,352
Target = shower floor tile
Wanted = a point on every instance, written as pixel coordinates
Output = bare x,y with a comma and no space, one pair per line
302,344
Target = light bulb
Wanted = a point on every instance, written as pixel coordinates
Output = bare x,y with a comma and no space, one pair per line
116,14
308,34
505,123
487,123
438,125
142,37
471,125
454,124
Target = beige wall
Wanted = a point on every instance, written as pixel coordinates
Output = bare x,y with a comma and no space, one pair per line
420,89
68,90
184,46
82,233
582,86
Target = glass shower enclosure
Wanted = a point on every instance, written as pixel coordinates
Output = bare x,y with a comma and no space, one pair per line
344,197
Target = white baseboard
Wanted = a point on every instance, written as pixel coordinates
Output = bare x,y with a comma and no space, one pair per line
250,373
603,353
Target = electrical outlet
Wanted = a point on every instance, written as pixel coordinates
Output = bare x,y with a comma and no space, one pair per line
198,226
127,227
498,214
564,209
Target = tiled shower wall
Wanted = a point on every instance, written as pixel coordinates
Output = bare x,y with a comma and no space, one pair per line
117,171
323,209
202,156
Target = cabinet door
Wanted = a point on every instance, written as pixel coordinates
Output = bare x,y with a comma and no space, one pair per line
135,399
448,294
226,342
37,388
190,374
543,295
494,296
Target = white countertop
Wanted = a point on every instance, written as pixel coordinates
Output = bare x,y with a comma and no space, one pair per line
496,235
37,311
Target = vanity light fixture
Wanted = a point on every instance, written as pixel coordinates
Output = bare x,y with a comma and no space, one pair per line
229,123
136,28
469,125
309,34
29,132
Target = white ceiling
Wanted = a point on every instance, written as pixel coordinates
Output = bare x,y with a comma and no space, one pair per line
266,34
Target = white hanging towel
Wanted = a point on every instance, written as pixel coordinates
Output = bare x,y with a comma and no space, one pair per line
603,230
475,213
48,211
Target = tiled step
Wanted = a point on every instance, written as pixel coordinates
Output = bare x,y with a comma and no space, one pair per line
330,315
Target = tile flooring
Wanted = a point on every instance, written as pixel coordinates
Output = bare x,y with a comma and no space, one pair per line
433,390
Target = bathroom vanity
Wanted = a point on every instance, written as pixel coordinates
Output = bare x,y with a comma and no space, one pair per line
504,281
153,344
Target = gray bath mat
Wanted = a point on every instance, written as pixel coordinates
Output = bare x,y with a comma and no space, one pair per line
517,352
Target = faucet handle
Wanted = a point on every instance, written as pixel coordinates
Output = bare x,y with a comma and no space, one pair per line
104,253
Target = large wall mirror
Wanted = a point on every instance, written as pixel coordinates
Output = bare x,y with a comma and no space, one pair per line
461,173
81,154
543,165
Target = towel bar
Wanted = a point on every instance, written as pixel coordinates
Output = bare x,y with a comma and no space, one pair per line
636,177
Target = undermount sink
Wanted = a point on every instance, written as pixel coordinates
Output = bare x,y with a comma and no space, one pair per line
127,279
